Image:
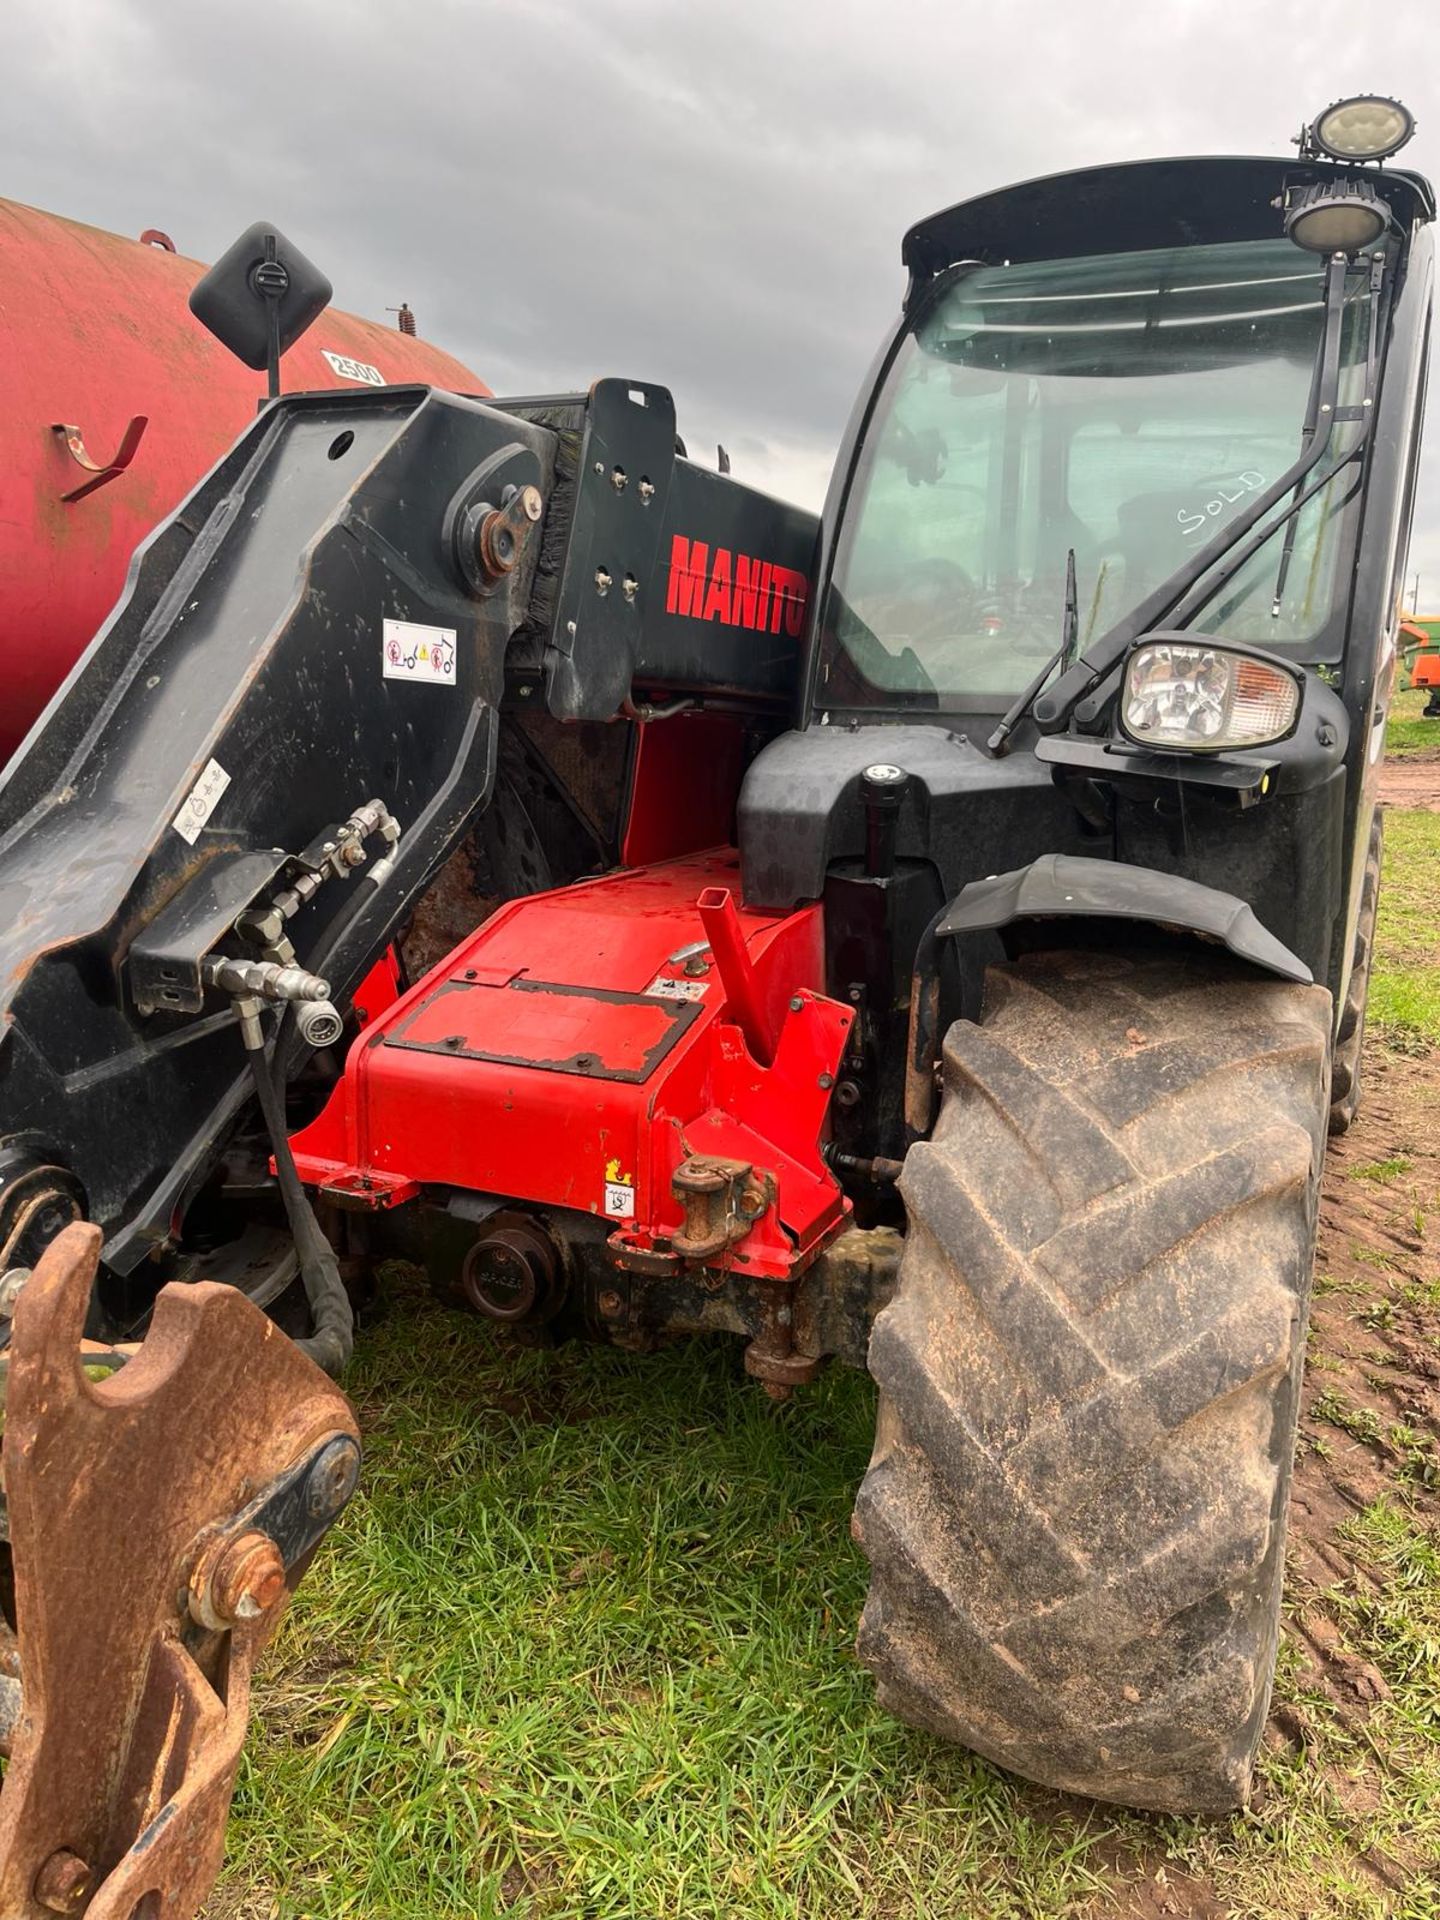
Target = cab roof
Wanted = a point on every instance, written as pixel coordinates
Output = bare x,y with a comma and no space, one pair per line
1137,205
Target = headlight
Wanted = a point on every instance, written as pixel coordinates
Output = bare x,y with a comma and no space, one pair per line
1187,698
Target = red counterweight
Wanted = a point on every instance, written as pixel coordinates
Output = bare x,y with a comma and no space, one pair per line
580,1050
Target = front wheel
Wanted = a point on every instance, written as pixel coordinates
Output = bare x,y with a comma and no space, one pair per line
1090,1372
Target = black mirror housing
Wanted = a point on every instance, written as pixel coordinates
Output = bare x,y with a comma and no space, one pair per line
233,302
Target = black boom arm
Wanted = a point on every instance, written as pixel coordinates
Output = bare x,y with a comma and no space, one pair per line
286,726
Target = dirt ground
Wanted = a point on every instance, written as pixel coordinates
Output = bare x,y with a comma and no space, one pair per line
1370,1432
1383,1355
1412,782
1375,1350
1371,1424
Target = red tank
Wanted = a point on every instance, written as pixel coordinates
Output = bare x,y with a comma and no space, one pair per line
95,334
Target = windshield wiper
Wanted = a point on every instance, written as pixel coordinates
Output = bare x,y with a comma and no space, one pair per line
1069,640
1053,709
1372,361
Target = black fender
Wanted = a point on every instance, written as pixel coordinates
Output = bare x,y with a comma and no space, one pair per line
1060,884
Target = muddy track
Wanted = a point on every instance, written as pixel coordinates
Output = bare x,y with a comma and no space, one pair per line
1412,782
1374,1366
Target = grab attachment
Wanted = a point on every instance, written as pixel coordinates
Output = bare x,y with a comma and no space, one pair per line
160,1513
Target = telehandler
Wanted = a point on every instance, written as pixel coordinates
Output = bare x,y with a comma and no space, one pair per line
934,939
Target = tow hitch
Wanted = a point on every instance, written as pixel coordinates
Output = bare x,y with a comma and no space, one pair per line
160,1512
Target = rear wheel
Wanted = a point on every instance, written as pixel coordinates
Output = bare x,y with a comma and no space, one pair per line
1090,1371
1350,1035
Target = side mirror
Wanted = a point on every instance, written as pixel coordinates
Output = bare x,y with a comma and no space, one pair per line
259,297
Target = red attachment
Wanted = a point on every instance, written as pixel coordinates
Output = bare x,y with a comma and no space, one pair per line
683,789
95,332
379,989
742,993
579,1047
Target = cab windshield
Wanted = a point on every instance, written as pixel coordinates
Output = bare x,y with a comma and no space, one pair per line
1125,407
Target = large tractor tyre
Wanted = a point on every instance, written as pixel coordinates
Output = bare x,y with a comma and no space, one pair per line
1350,1035
1089,1375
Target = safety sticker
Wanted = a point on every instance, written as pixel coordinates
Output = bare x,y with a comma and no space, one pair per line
344,368
619,1193
203,799
666,987
412,652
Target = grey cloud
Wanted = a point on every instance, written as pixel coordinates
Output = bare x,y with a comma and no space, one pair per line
710,195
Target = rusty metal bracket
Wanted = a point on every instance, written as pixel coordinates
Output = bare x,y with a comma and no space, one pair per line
722,1199
146,1581
103,470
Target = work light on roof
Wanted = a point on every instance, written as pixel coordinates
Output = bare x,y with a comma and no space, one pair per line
1368,126
1336,216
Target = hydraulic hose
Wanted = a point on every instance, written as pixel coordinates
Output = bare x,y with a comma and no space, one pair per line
333,1340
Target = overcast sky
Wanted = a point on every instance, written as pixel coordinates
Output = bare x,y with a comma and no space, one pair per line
711,195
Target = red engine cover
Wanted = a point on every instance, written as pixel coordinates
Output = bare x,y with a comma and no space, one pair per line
95,332
564,1057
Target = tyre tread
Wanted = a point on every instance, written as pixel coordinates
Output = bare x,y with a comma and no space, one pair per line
1075,1511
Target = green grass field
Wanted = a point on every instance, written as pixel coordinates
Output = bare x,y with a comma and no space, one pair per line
1404,1008
1408,732
582,1650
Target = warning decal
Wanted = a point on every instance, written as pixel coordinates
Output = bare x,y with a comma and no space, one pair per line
619,1192
411,652
666,986
204,798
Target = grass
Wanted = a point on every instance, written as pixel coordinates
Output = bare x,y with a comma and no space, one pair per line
1408,733
1361,1423
583,1650
1405,982
1395,1622
1382,1172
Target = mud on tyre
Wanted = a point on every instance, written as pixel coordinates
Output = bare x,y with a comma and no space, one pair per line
1089,1375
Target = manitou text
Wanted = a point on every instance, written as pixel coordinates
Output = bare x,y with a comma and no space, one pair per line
735,589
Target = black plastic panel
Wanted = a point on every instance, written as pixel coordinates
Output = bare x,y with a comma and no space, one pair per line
726,607
800,809
1057,887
